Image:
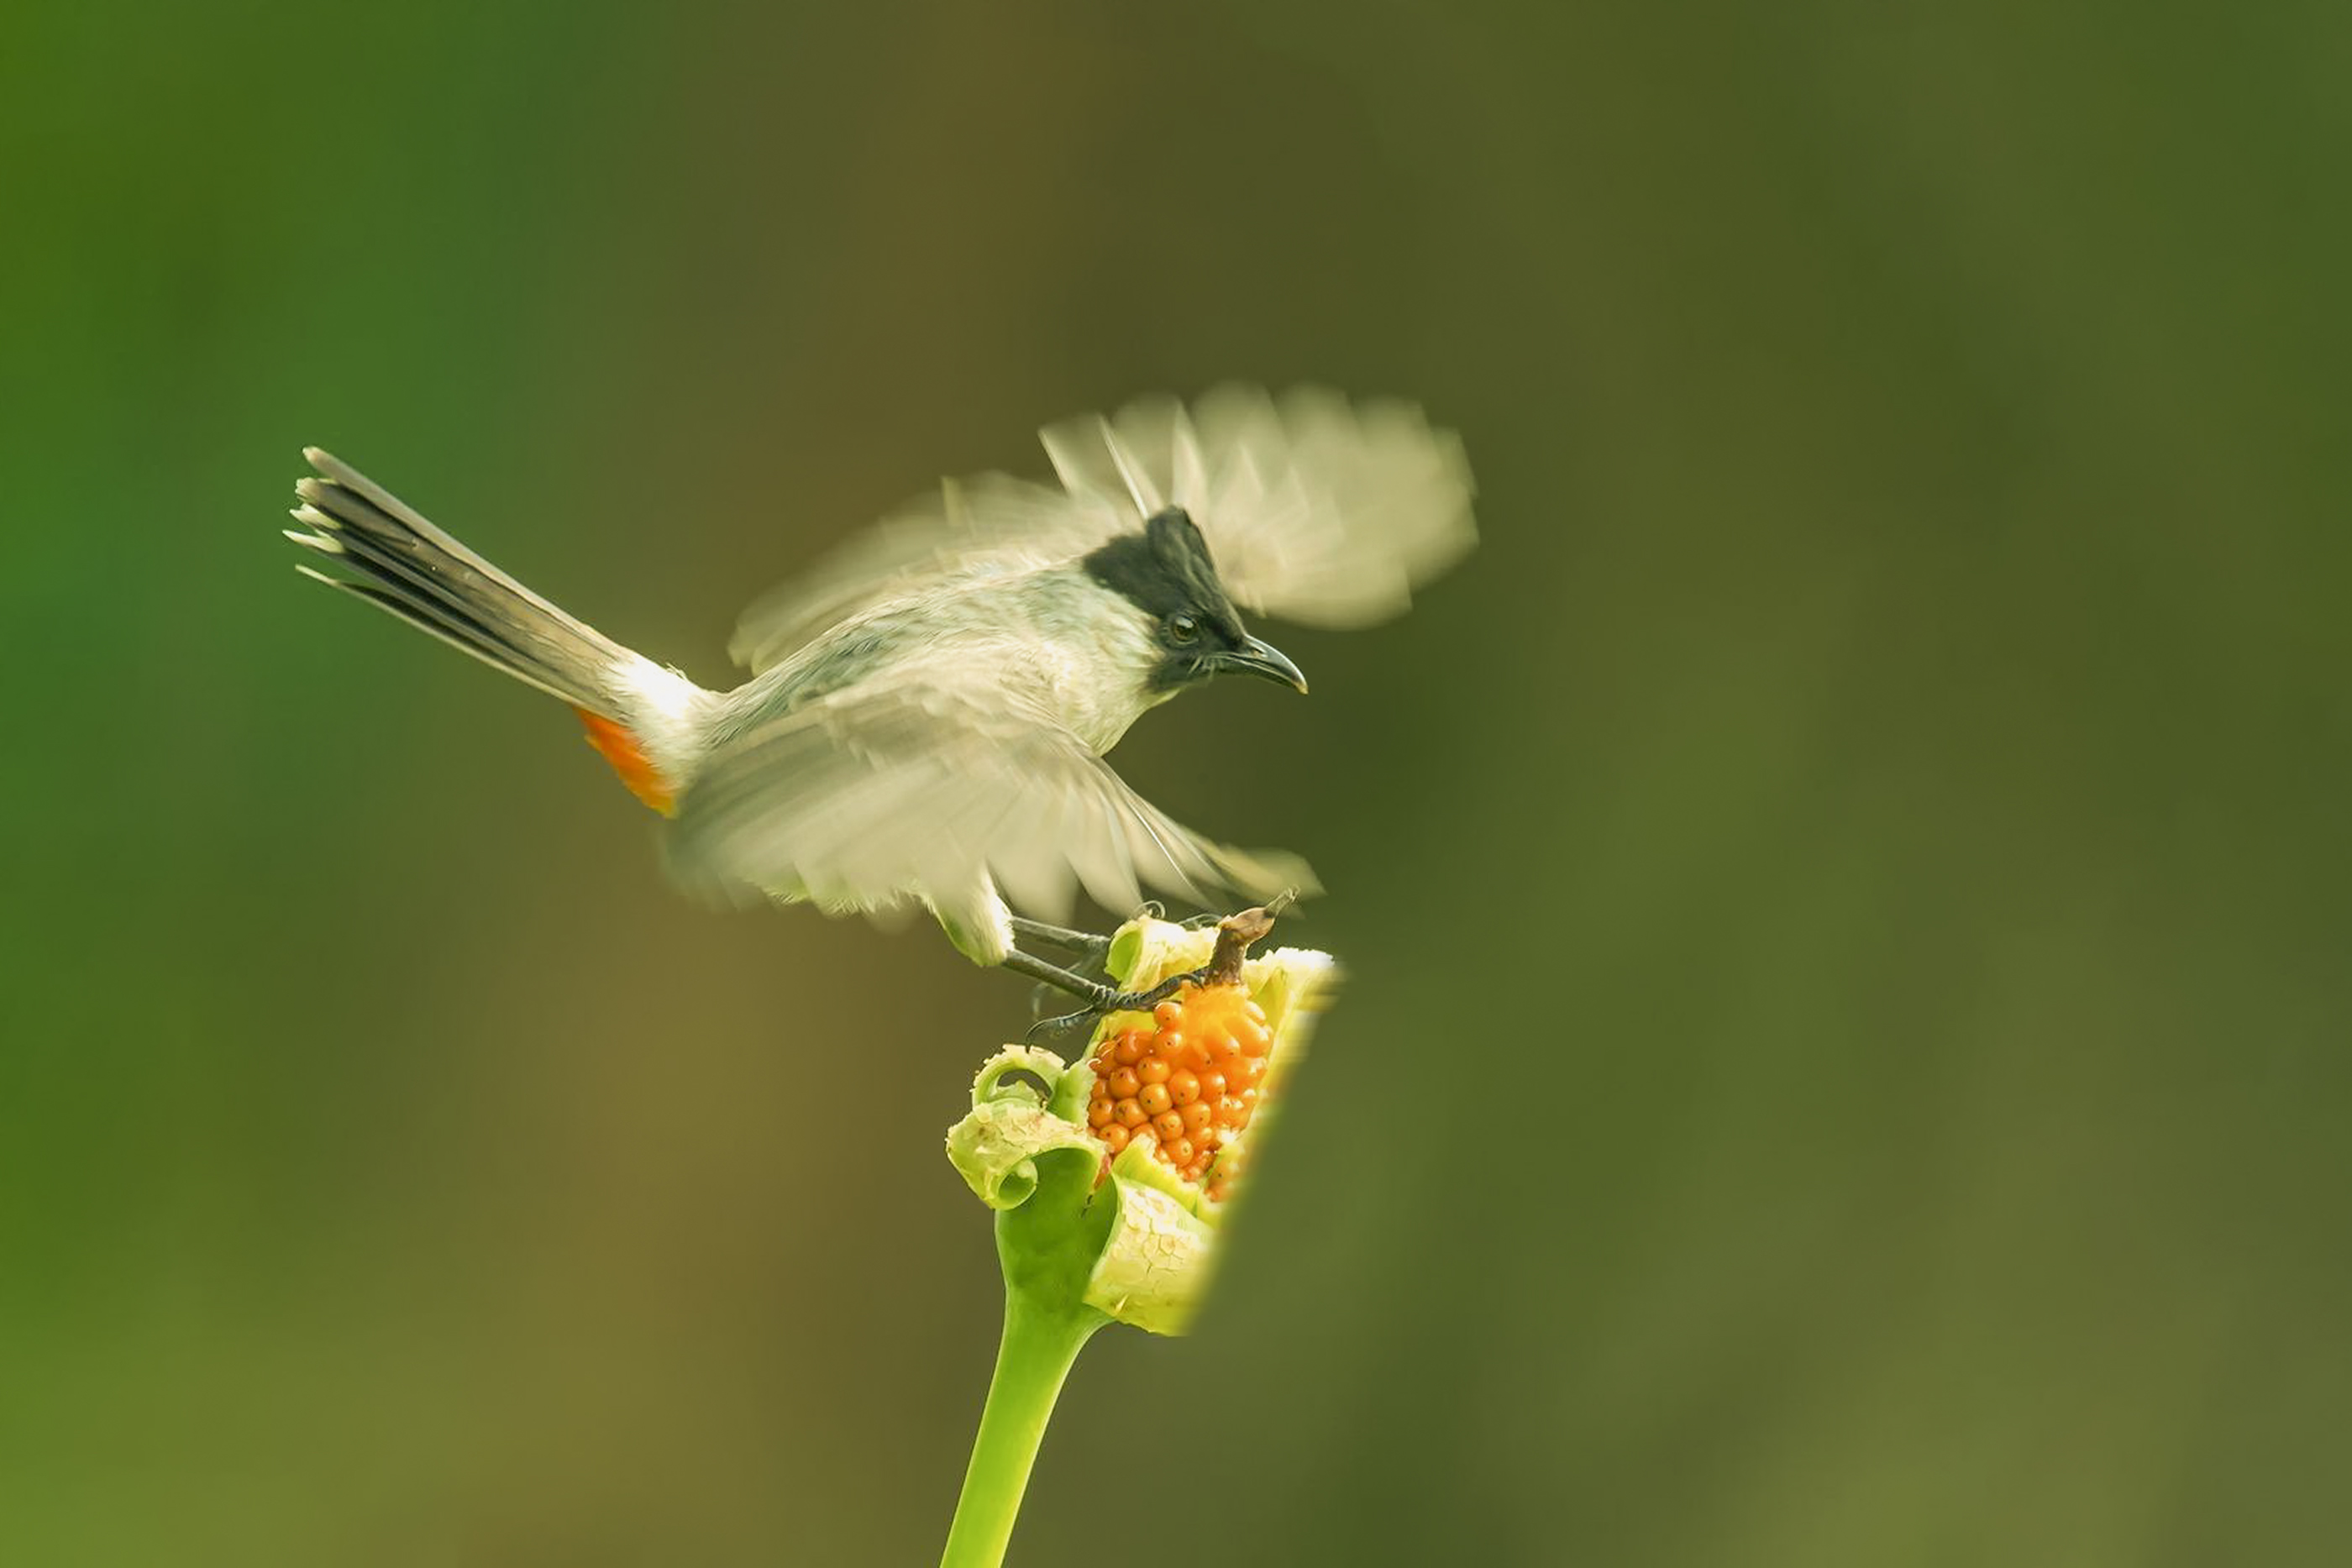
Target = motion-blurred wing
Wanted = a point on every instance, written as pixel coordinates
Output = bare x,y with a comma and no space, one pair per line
937,784
992,523
1315,510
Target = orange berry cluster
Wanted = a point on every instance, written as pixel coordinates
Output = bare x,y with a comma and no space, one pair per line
1192,1077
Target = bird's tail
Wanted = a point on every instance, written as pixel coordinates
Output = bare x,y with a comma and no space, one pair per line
401,563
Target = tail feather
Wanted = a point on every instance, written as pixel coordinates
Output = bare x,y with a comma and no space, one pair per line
406,567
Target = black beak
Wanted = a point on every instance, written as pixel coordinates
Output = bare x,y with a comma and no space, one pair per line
1256,657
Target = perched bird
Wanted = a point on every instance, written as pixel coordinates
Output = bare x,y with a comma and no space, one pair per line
929,708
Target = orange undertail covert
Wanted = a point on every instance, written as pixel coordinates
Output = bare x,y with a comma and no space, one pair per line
618,747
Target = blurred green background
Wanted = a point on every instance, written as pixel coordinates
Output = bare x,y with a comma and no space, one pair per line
1845,892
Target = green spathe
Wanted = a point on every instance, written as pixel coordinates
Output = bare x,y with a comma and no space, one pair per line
1025,1145
1085,1241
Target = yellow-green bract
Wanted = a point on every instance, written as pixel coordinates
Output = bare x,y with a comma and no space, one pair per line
1145,1235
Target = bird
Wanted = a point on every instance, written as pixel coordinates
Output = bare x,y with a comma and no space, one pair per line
929,707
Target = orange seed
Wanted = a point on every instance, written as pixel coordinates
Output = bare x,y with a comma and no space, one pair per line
1159,1075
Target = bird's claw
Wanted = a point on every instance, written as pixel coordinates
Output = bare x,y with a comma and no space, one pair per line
1053,1027
1111,1001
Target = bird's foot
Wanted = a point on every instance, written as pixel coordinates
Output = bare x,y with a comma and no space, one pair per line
1235,935
1087,944
1107,1000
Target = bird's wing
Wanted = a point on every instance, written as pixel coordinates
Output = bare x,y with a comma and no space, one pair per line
1314,510
936,783
990,523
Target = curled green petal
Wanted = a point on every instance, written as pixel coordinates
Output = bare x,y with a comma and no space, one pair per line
996,1147
994,1080
1145,952
1154,1271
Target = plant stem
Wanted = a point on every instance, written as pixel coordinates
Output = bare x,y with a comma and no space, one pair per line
1040,1344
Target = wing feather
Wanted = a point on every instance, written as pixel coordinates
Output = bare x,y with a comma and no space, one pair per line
990,523
933,784
1315,510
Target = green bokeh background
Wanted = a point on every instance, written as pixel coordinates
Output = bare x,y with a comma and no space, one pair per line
1845,892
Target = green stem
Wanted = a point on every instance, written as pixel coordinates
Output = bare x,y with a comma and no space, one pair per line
1040,1344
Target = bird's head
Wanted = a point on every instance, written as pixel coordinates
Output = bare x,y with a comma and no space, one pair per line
1165,573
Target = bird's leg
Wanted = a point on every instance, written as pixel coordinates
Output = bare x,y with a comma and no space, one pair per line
1085,944
1091,949
1094,993
1109,1000
1099,999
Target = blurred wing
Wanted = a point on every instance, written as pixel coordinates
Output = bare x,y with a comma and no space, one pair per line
993,523
1315,510
935,784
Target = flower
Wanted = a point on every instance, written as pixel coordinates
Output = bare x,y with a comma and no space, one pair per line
1113,1176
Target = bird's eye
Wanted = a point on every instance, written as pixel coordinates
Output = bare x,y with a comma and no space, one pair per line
1183,628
